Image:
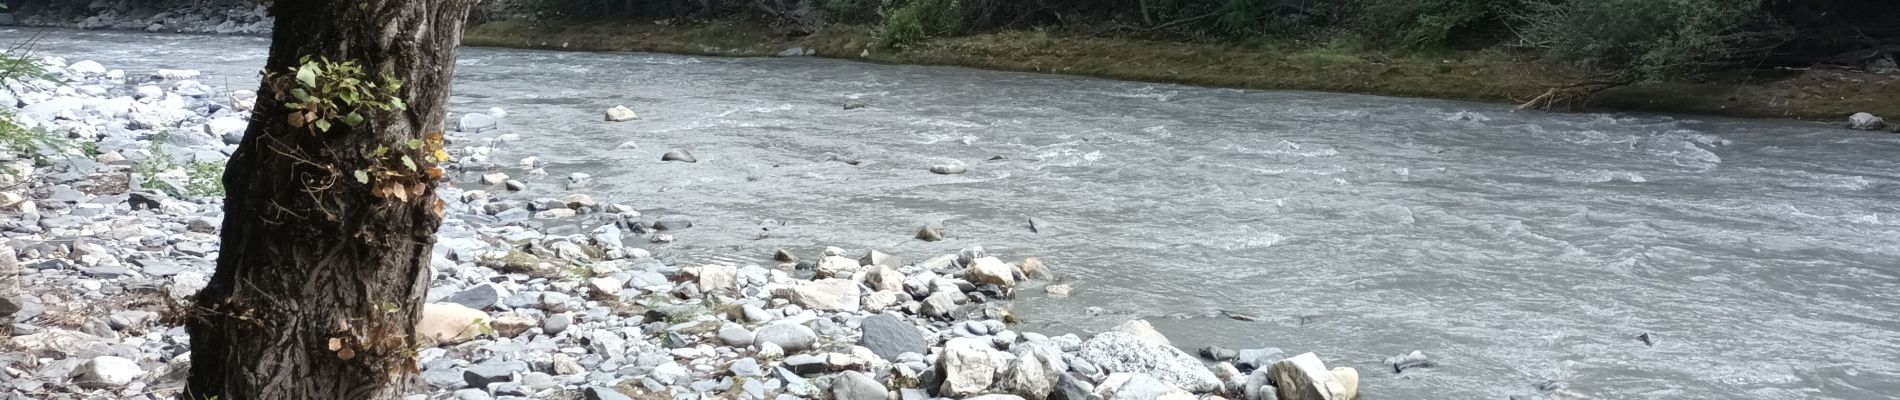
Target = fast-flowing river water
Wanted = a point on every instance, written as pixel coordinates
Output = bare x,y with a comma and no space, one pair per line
1762,256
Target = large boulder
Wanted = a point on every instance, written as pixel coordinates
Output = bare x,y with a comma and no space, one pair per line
968,367
888,336
87,68
1866,122
1305,377
450,322
1122,352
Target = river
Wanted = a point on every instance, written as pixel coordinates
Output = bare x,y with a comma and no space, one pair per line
1762,256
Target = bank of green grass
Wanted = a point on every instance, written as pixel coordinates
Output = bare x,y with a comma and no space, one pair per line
1333,66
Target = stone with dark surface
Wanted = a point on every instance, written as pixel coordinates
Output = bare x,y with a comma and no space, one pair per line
888,336
480,297
603,393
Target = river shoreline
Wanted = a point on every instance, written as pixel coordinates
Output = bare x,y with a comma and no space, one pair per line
1818,95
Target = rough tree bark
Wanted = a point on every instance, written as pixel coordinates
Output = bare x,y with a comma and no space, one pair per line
320,277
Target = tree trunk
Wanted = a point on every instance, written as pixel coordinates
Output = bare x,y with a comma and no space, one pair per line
321,276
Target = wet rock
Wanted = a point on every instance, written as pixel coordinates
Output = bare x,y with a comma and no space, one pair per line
784,256
494,179
1218,353
949,169
1058,290
679,155
1122,352
991,270
888,336
1866,122
621,113
106,372
854,104
851,385
1252,359
1348,380
929,234
967,365
450,322
673,223
790,337
1305,377
514,185
1402,362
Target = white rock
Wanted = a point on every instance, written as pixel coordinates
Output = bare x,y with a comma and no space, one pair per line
1030,375
967,365
837,267
475,123
149,92
106,371
1305,377
497,112
718,277
117,74
1141,329
1122,352
991,270
177,73
621,113
824,294
605,286
1866,122
218,127
87,68
450,322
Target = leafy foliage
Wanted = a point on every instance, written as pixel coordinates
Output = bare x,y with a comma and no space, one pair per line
161,170
916,20
321,94
1646,40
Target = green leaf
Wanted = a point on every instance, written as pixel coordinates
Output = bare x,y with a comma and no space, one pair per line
362,177
397,104
294,106
300,94
415,144
380,150
307,75
323,125
353,119
406,162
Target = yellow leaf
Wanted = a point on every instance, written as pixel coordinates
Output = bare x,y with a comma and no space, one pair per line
346,354
336,344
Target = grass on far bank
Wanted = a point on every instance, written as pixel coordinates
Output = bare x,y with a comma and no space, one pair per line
1339,66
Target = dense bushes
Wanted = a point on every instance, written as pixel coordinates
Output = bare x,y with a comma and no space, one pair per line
1628,39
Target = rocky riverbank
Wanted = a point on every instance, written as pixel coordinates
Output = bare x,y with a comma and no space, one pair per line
111,222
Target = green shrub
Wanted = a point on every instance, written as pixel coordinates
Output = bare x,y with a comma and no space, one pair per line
915,20
1431,24
1648,40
